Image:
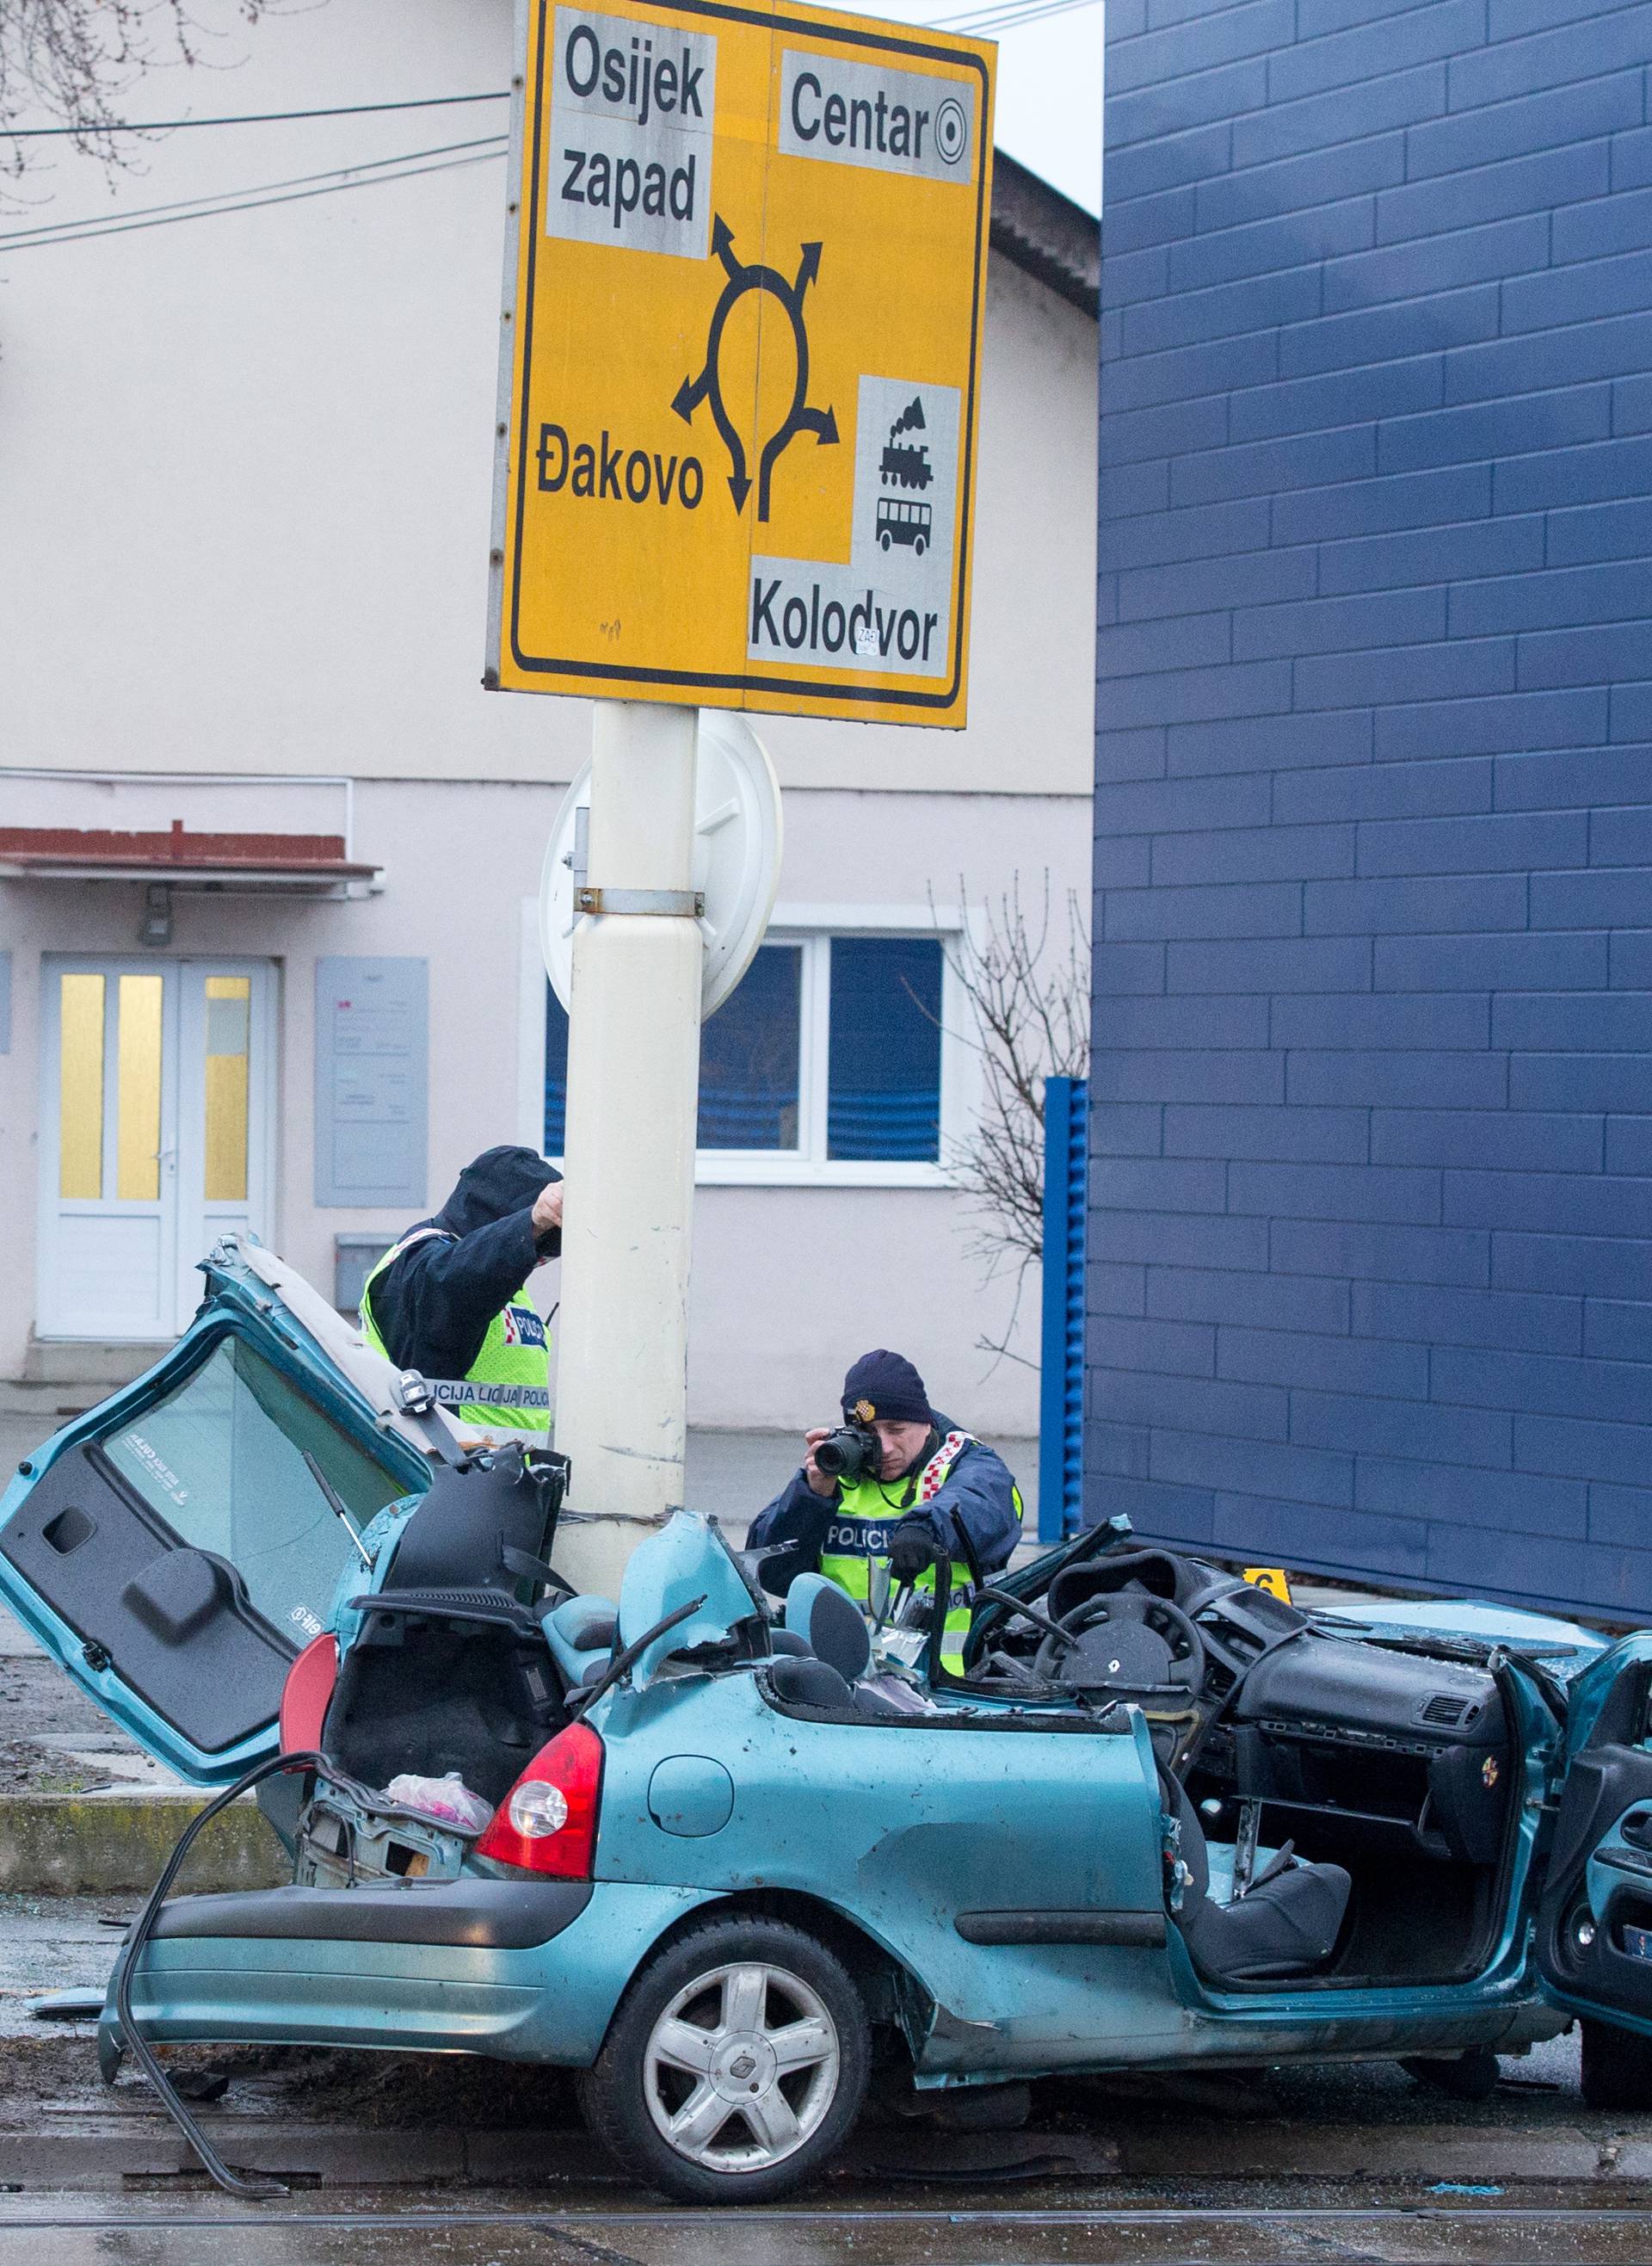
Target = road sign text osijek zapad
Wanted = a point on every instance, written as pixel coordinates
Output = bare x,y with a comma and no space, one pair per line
737,459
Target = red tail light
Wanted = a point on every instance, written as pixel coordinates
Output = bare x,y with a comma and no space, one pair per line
547,1822
306,1694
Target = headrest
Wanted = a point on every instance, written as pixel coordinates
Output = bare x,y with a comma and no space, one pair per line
831,1623
584,1622
810,1683
579,1632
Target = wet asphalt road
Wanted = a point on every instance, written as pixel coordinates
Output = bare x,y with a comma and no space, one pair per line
1293,2167
1234,2171
1542,2231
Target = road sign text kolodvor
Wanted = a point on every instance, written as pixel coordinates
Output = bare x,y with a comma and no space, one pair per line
743,332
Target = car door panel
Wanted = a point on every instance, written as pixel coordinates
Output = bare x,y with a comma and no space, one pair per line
1593,1935
176,1620
174,1551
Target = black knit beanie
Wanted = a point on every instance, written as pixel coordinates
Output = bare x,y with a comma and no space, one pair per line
884,1383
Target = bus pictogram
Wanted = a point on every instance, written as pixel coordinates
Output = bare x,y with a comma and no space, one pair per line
900,521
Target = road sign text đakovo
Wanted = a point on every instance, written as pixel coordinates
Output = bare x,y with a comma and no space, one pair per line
737,459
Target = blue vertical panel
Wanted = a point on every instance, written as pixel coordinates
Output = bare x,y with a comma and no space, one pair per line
1061,1390
372,1071
1371,1235
555,1132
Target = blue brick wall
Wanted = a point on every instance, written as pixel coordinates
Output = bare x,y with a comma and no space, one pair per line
1370,1230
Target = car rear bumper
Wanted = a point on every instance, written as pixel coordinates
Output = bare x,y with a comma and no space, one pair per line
469,1914
526,1972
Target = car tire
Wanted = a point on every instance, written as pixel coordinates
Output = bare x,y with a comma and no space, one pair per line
694,2035
1471,2076
1616,2066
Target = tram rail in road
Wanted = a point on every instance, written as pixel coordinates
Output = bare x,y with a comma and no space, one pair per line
1541,2229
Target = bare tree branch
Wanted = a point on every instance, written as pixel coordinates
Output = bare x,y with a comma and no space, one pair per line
1026,974
71,64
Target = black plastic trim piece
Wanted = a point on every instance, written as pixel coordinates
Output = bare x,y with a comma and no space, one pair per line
464,1915
1114,1723
1134,1931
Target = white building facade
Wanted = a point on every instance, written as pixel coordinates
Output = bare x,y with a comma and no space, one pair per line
269,855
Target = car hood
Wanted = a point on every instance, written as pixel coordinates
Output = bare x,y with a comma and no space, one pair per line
1564,1646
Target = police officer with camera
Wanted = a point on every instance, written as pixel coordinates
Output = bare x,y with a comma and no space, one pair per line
898,1485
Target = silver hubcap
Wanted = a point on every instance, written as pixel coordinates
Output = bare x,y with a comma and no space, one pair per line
741,2068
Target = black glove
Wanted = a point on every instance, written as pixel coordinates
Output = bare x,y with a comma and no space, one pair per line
914,1546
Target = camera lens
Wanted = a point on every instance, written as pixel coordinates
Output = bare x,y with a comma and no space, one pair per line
845,1454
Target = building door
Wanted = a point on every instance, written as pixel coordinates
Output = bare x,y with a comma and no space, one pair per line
155,1124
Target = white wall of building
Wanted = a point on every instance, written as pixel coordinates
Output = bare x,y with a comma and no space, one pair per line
245,474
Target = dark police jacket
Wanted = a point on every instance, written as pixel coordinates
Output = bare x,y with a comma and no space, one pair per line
973,1511
433,1304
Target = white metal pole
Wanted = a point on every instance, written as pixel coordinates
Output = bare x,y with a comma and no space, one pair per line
633,1095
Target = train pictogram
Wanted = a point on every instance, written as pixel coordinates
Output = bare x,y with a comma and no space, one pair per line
906,463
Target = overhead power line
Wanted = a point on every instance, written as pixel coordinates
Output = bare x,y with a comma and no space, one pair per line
1004,17
1010,18
442,158
245,118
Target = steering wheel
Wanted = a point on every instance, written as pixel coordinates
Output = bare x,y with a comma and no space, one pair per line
1129,1641
998,1664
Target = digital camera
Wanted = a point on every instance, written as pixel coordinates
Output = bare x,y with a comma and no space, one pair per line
853,1452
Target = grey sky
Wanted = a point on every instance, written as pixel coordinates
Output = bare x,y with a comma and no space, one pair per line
1050,91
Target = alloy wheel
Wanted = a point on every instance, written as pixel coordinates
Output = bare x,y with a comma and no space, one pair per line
742,2067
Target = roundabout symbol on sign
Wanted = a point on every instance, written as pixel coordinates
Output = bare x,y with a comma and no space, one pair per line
708,386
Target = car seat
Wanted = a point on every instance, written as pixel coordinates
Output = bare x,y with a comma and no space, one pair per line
1286,1924
831,1623
824,1650
579,1632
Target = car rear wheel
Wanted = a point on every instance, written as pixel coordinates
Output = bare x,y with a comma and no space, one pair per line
1616,2066
735,2067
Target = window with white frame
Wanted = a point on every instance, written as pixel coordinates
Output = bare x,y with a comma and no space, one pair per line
828,1061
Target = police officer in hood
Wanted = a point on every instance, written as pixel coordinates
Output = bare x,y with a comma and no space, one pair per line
450,1299
936,1491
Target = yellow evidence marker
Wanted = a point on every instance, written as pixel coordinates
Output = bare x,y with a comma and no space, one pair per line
1271,1578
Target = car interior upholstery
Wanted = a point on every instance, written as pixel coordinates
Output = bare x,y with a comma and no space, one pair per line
1343,1803
1386,1762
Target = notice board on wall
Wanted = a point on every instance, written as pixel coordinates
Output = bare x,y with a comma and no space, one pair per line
372,1081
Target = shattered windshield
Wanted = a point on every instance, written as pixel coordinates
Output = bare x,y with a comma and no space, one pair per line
220,1459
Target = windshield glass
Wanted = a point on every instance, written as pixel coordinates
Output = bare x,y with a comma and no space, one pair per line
221,1461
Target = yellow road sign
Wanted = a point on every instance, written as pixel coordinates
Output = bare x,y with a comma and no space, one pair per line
736,462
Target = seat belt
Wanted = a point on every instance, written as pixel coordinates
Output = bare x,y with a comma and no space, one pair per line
1250,1821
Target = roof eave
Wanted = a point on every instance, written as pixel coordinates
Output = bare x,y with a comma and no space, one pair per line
1045,234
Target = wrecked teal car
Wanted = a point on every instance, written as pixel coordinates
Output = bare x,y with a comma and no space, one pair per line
727,1859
